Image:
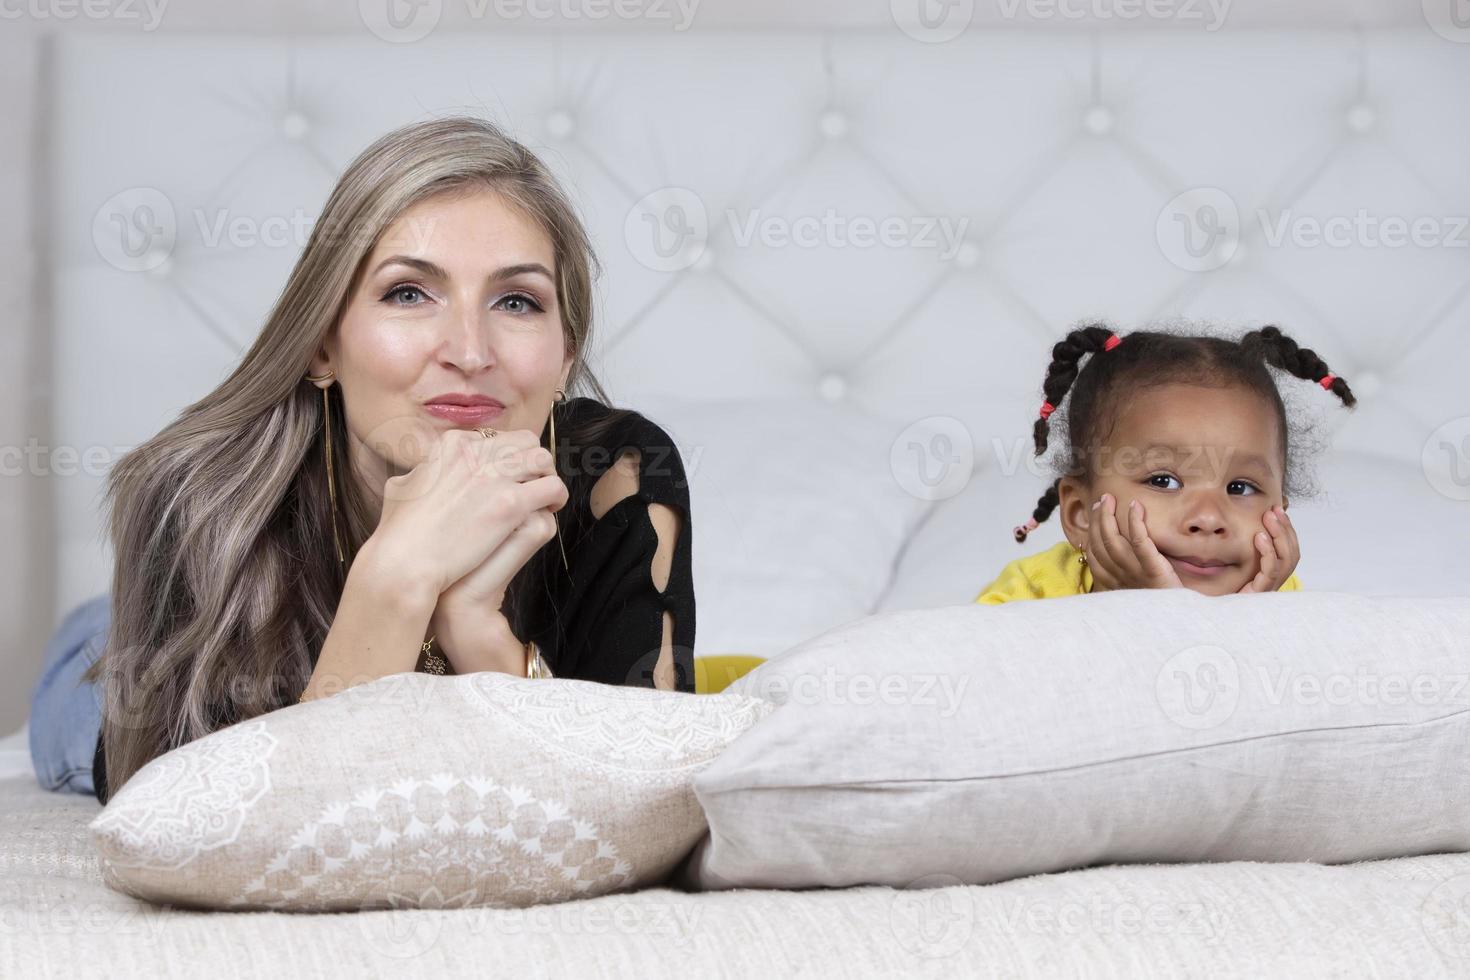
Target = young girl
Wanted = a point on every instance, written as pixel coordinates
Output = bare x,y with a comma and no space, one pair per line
1177,464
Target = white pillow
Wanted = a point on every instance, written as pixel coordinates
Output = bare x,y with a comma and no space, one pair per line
968,539
798,518
990,742
423,792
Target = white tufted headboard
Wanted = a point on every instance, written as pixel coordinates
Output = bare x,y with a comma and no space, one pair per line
834,263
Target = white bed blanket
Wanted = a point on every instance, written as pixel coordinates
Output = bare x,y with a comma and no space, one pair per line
1400,918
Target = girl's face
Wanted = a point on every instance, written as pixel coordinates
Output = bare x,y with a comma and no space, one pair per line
458,297
1206,463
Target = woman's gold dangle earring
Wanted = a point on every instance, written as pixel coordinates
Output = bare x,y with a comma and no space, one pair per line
331,479
561,397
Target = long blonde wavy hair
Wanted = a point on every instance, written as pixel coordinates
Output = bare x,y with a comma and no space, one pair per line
226,578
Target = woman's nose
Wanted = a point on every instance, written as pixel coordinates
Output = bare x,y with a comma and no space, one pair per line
469,346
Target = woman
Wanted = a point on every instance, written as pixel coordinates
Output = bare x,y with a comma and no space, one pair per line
376,487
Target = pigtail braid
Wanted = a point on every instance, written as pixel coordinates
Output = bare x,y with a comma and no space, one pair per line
1066,357
1044,507
1063,370
1281,351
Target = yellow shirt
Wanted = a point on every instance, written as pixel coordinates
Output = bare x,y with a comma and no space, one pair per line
1055,572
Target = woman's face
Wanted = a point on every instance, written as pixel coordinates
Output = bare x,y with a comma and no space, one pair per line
457,298
1205,462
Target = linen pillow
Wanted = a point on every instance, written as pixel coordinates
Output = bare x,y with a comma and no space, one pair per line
421,791
989,742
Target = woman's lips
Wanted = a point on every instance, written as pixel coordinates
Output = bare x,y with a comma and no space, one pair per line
465,414
1202,571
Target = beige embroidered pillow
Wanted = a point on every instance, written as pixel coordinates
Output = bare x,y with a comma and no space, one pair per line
423,791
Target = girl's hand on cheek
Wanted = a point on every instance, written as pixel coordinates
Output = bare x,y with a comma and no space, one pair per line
1278,549
1125,561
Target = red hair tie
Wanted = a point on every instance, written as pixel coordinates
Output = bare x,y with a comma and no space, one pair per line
1113,341
1327,381
1025,529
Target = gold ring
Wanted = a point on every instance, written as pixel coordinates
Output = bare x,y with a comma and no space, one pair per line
487,433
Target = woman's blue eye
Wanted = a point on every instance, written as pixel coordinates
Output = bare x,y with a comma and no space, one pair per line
1249,488
401,291
527,303
1152,481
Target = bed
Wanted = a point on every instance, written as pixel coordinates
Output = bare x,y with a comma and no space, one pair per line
1397,918
912,363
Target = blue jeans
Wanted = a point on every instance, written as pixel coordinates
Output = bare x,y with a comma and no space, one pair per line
66,712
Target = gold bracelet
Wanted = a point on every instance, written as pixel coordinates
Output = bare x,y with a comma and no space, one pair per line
535,666
433,663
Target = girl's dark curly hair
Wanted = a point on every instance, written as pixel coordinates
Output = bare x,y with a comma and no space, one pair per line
1146,358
